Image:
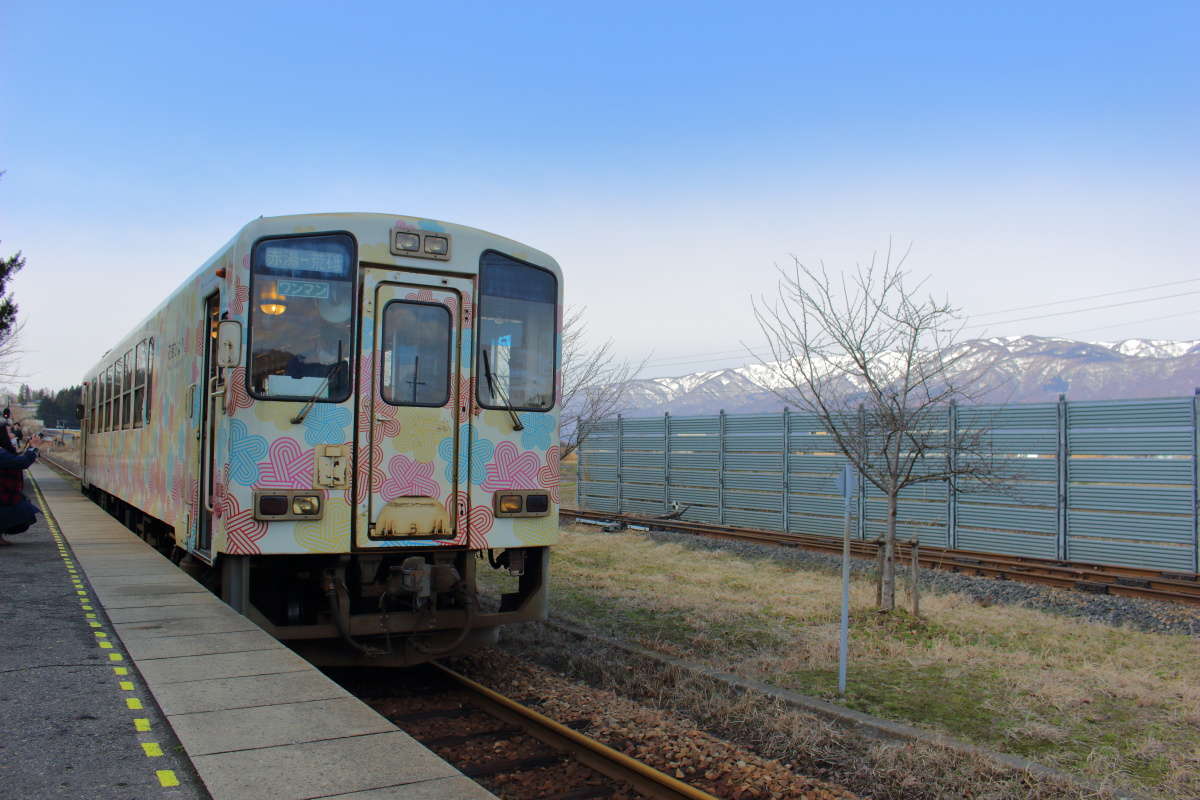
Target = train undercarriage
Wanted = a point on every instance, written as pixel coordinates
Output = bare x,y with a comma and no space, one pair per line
396,608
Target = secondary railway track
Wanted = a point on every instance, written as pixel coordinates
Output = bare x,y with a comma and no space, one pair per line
60,466
514,750
1170,587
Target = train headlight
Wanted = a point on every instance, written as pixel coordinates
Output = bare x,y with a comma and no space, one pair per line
306,506
521,503
437,245
408,241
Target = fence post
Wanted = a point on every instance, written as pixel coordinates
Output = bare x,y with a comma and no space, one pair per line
666,462
1196,481
862,480
914,554
620,464
721,470
1063,476
787,463
952,481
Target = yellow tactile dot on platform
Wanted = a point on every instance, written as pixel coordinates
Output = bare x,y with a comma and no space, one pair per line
152,749
141,725
126,686
133,704
120,670
115,657
106,645
166,777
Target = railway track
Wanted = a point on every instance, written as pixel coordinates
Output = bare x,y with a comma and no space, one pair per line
60,466
514,750
1121,581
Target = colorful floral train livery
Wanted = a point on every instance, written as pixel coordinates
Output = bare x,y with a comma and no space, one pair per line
336,419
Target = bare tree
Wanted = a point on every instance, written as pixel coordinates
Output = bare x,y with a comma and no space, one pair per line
11,354
876,362
595,384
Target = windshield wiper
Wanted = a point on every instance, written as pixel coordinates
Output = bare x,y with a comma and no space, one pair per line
494,388
307,407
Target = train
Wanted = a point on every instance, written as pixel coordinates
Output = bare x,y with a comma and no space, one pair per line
340,422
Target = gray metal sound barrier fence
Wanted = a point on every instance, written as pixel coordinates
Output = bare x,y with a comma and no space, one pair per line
1104,482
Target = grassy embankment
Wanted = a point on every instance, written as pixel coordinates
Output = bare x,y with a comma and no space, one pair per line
1106,703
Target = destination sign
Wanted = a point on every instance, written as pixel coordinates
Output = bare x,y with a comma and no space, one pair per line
305,259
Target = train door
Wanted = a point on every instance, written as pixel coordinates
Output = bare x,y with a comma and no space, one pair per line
210,389
414,369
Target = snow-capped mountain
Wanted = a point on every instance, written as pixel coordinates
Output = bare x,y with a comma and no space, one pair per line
1020,369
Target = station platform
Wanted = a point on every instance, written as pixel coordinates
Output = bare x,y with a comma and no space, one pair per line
121,677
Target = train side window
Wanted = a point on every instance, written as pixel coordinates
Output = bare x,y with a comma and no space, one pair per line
114,396
149,377
126,387
139,383
415,357
108,403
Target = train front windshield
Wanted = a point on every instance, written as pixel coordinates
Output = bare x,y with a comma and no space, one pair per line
518,314
301,338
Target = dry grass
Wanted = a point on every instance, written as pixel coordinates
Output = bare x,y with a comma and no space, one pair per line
1112,704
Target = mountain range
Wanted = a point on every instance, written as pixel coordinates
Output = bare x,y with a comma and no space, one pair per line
1024,369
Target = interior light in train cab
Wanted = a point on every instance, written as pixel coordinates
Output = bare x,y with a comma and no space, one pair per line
272,304
437,245
408,241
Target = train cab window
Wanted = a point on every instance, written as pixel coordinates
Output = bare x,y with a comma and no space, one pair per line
518,314
415,354
301,336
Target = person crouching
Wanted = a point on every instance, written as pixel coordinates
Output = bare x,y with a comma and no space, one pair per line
16,512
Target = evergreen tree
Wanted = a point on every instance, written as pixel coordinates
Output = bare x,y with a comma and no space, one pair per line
60,406
8,308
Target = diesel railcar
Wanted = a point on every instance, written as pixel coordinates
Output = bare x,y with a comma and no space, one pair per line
343,418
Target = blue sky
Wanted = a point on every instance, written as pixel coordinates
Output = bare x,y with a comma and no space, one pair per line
668,154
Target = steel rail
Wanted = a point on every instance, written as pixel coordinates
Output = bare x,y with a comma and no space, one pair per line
600,757
54,462
1120,581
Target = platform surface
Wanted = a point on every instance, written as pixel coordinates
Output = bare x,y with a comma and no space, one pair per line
165,691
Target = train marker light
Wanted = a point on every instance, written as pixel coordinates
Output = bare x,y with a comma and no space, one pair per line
509,504
537,503
408,241
437,245
272,505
